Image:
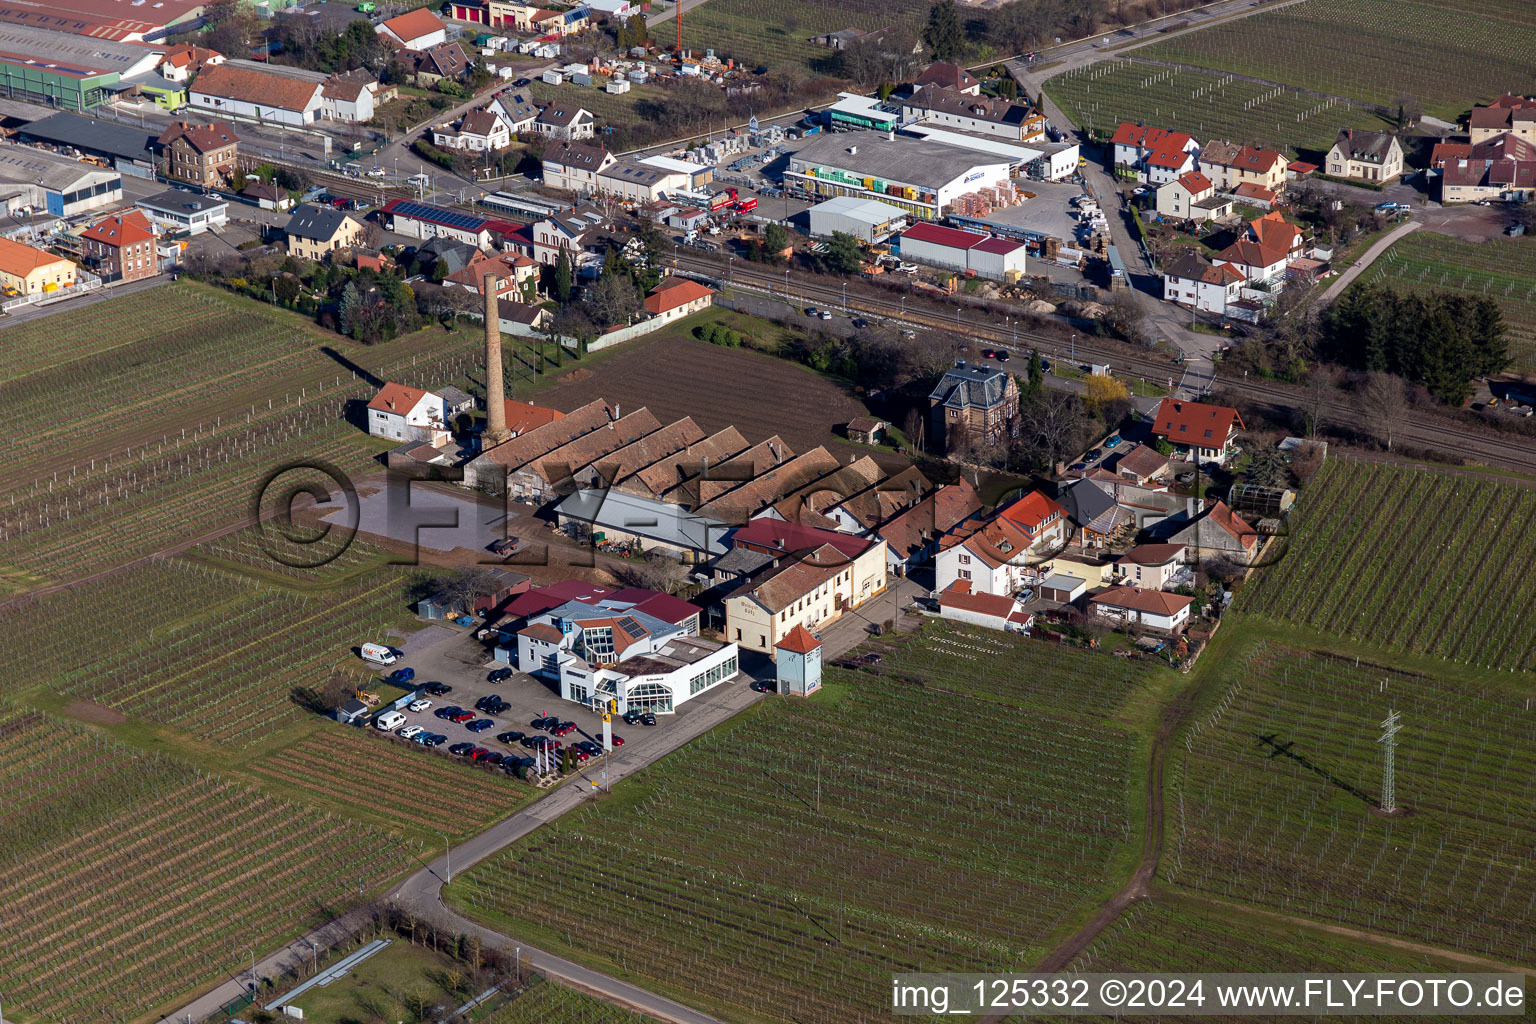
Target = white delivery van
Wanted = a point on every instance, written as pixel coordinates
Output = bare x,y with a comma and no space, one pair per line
379,654
389,721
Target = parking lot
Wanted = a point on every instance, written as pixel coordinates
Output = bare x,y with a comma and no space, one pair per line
452,656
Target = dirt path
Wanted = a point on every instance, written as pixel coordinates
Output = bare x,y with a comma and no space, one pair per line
1370,256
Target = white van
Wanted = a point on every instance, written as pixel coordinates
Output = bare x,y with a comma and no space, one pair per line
379,654
389,721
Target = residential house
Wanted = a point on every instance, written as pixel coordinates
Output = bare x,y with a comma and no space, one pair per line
121,247
912,537
973,405
1192,196
1154,155
1276,234
436,63
524,319
203,154
1229,165
640,182
454,255
559,24
812,589
478,131
25,270
405,413
1501,167
575,168
183,62
517,276
1262,264
517,109
943,75
993,611
1141,465
1152,566
315,232
1366,156
349,96
997,555
267,197
983,115
1218,532
565,122
1514,115
1192,280
678,297
1199,432
1154,609
563,232
236,90
414,30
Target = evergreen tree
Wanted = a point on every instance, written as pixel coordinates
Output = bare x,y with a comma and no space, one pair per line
942,33
563,278
348,314
1036,374
843,254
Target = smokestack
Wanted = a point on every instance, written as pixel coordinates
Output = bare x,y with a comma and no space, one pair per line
495,397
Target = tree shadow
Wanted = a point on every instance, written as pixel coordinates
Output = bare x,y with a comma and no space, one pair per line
1279,749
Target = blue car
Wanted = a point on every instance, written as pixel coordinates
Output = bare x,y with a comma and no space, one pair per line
479,725
402,675
1113,441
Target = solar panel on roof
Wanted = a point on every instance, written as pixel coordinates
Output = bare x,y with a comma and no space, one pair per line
633,628
438,215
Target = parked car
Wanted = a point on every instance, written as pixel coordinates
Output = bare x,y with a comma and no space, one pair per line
860,322
462,717
505,546
1002,355
578,755
564,729
1390,207
1112,441
438,689
401,675
825,314
490,698
410,732
988,353
1079,466
812,311
510,736
448,711
423,737
647,718
763,686
590,748
500,675
1093,454
618,741
479,725
461,748
544,722
420,705
478,754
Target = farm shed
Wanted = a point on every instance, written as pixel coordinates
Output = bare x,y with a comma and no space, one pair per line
351,712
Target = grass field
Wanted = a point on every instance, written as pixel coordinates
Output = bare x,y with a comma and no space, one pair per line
545,1003
210,653
780,34
1275,790
803,853
1447,56
1207,105
1503,270
400,982
132,877
1413,559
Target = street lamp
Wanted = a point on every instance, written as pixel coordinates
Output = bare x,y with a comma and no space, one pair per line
314,957
786,284
447,856
252,951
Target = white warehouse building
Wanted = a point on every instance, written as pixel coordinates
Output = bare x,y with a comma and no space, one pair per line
996,259
918,177
868,220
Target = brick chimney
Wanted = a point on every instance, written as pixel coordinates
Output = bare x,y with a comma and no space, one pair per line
495,397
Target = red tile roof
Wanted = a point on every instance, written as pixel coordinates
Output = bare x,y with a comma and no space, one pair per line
1156,602
1231,522
542,599
958,595
1033,512
414,24
122,229
269,90
948,76
541,631
1195,423
1249,190
798,640
1194,182
1245,253
1163,148
522,416
674,293
1153,554
778,537
1274,232
397,398
21,260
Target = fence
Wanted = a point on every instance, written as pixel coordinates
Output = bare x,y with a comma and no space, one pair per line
84,282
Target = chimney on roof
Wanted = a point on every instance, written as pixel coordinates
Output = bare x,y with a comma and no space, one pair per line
495,394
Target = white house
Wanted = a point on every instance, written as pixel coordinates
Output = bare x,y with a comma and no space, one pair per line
678,297
404,413
616,10
1191,281
1154,155
516,108
349,97
1199,431
1152,566
233,89
990,610
478,131
1368,156
574,167
567,122
414,30
562,232
1192,196
1156,609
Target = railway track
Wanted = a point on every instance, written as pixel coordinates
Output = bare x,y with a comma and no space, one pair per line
1429,433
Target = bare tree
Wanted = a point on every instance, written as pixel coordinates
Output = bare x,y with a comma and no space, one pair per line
1386,403
1321,383
655,572
467,585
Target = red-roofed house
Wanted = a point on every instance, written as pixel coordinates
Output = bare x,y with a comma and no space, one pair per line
1502,167
1154,155
942,75
1042,520
958,602
678,297
407,414
1229,165
1260,264
1192,196
414,30
1201,432
1192,280
1513,114
122,247
1274,232
525,416
1156,609
994,556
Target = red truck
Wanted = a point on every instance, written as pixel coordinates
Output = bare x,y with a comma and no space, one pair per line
720,200
744,205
